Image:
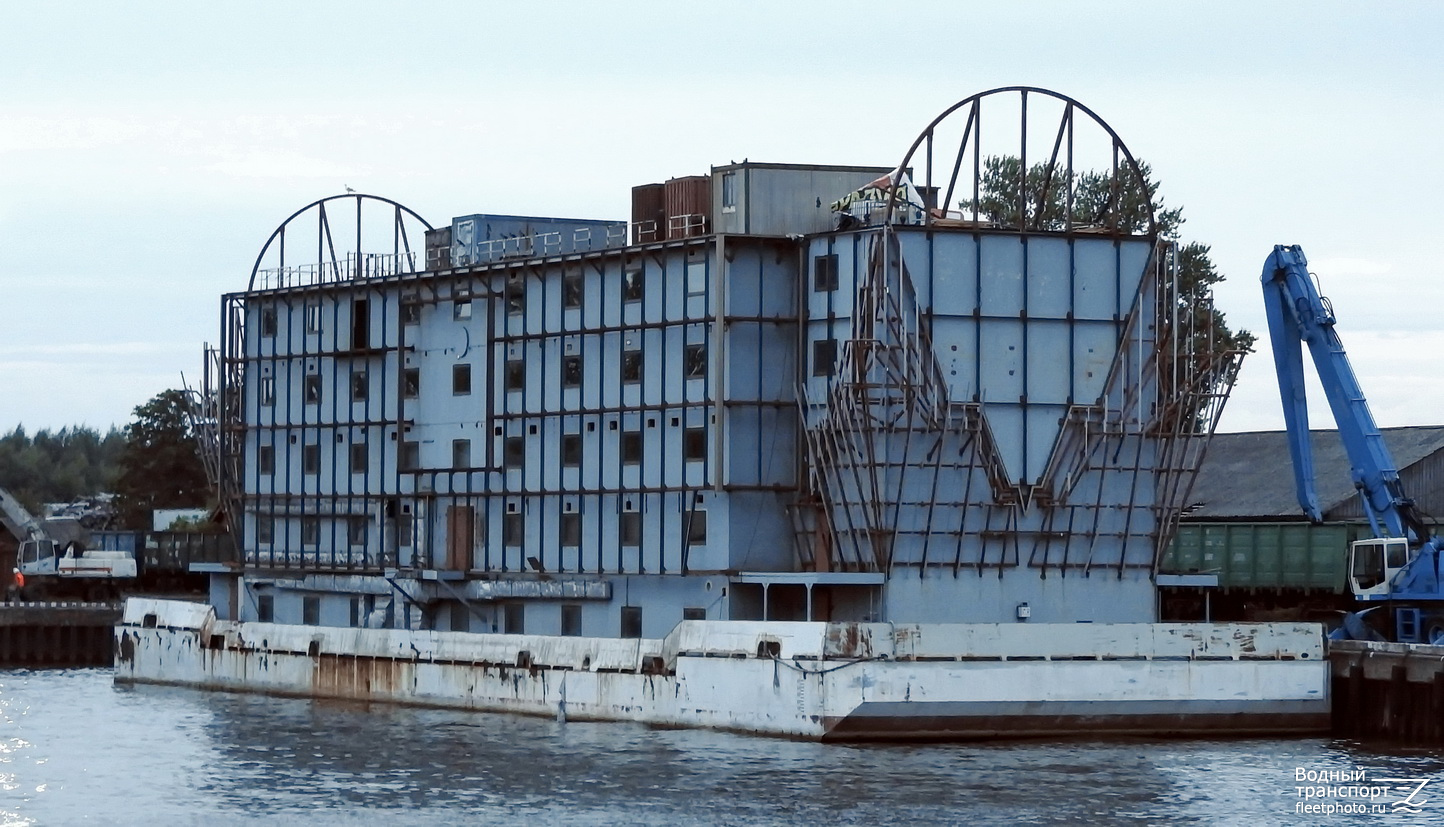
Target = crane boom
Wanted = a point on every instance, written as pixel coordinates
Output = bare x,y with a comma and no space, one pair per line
1298,314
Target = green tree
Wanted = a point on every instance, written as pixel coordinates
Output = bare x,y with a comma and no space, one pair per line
61,466
1047,198
159,465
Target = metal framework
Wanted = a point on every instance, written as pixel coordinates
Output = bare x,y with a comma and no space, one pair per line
903,474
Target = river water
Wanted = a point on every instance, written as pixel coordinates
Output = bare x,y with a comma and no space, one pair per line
75,748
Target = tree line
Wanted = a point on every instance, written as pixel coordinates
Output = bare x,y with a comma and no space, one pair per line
150,463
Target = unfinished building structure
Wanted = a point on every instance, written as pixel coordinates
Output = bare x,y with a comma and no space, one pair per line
964,389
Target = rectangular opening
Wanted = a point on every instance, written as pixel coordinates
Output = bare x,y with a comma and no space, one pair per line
313,389
461,453
356,530
410,313
515,375
629,528
571,620
268,322
570,530
631,621
268,390
513,451
824,273
360,385
571,450
410,459
354,617
694,444
572,371
694,613
410,383
631,366
311,459
265,460
513,528
824,357
359,458
695,526
460,380
310,532
311,611
634,283
313,318
572,290
264,530
360,324
694,362
513,619
265,608
461,310
515,296
631,447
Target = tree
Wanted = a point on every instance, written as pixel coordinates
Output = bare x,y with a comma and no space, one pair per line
61,466
159,466
1209,349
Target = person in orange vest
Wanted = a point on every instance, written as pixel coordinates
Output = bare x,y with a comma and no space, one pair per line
17,585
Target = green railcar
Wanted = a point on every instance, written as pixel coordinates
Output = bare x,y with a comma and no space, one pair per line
1258,555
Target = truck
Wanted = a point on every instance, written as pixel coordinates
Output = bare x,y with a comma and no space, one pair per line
55,561
1397,569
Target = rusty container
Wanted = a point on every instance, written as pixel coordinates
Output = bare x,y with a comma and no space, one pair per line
649,213
689,206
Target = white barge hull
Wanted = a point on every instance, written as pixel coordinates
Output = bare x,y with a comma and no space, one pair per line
833,681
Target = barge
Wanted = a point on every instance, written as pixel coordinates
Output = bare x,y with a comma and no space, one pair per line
828,681
806,450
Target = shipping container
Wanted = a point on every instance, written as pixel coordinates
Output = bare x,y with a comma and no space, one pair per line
689,206
1265,555
649,213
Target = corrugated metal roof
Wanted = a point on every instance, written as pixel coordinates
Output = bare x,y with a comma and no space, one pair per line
1250,475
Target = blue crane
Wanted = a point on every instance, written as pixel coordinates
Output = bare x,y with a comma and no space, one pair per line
1400,566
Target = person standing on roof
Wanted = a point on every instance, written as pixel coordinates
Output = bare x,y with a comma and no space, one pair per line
17,586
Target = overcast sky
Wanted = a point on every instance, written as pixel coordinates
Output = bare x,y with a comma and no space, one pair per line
147,150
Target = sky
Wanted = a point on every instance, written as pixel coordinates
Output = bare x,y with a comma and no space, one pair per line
147,150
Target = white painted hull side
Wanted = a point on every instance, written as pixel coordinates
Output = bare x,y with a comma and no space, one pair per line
844,681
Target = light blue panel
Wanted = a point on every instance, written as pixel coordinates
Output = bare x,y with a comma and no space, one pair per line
1043,428
1002,275
1006,422
1049,265
1002,352
1096,284
955,345
1095,345
1049,374
955,275
1134,257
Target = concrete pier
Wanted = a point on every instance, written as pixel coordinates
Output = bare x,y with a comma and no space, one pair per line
1387,690
57,634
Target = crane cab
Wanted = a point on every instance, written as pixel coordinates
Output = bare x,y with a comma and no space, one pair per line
1373,565
38,557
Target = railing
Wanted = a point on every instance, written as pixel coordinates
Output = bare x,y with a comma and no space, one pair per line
384,265
350,268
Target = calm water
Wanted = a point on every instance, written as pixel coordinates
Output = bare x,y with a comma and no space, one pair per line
76,748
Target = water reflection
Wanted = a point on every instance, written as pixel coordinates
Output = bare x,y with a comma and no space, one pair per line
76,747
